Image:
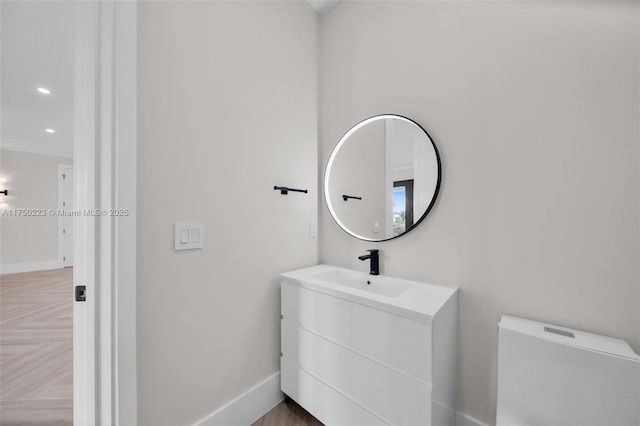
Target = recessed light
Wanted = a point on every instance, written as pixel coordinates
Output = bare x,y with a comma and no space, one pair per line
50,131
44,91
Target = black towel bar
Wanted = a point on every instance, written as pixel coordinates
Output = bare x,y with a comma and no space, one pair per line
285,190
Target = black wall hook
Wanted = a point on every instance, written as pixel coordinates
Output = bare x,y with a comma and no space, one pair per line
5,192
285,190
346,197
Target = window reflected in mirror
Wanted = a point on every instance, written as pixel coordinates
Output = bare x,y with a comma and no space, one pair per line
402,206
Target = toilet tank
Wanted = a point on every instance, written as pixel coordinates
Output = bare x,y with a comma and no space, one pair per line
552,375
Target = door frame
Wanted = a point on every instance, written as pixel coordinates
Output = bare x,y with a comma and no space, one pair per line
105,388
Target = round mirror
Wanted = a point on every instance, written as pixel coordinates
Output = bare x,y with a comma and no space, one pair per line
382,178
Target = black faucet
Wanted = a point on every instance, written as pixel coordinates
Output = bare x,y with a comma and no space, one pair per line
375,261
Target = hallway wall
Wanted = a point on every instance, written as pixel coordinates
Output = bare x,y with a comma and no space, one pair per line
29,243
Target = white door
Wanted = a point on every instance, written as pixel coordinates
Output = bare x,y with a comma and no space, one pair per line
67,221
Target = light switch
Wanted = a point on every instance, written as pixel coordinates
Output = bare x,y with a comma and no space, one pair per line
189,235
376,227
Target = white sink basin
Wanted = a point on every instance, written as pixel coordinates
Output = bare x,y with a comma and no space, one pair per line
385,286
413,299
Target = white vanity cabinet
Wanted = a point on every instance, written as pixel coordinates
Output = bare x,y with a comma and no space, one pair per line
353,357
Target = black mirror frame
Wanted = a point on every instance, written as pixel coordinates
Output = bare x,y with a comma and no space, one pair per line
333,155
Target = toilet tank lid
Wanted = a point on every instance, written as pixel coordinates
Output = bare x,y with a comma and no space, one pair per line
581,339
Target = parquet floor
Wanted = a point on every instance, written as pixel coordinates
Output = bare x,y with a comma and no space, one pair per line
36,348
287,414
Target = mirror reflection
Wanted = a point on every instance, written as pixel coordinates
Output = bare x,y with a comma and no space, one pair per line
382,178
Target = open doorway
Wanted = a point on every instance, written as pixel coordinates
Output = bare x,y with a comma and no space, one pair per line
103,287
36,215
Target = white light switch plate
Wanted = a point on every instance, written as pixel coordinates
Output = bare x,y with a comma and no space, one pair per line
189,235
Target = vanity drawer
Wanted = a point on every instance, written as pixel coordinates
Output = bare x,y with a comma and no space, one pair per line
390,339
390,395
323,402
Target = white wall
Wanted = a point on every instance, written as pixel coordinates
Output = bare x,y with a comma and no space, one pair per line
227,109
534,108
32,181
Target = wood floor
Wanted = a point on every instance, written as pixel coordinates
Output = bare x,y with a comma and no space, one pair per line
287,414
36,348
36,354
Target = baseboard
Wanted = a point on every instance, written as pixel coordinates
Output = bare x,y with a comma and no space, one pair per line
18,268
248,407
257,401
464,420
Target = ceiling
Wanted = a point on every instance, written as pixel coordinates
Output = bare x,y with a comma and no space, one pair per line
37,50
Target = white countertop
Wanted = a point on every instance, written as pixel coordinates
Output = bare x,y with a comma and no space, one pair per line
421,301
